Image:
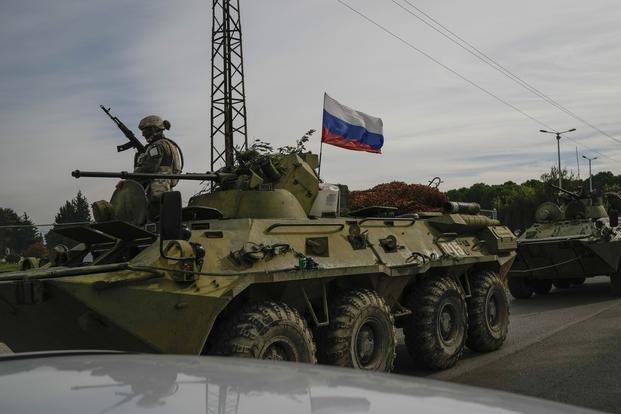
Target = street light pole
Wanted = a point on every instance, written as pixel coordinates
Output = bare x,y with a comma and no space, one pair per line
590,175
558,151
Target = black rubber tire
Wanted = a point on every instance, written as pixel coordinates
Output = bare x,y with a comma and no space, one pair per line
543,287
521,287
488,313
562,283
578,281
267,330
436,301
615,285
360,321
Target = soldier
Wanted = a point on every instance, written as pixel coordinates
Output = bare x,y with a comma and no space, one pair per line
161,155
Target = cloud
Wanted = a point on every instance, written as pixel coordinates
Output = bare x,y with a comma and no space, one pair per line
63,60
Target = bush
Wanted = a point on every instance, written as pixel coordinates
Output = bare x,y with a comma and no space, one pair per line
36,249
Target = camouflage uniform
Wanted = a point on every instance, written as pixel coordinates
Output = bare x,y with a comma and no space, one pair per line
161,155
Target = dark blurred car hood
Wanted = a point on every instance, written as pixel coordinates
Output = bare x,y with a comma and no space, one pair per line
123,383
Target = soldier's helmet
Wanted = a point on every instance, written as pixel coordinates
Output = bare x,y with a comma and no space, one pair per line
152,121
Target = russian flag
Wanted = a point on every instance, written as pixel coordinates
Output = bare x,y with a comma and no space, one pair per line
347,128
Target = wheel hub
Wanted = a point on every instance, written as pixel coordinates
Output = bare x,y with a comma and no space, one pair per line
279,350
365,344
446,322
492,311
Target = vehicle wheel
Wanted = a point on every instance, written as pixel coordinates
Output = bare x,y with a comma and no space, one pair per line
521,287
615,285
435,334
543,287
361,333
488,313
562,283
578,281
267,330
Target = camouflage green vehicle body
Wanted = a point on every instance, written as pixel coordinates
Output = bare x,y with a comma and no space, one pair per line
255,268
566,244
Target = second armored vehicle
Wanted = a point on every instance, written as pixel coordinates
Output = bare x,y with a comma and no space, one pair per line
567,243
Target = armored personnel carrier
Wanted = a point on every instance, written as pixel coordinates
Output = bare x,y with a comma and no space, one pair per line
568,242
264,266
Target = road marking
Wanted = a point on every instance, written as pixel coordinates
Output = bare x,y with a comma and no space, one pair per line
482,360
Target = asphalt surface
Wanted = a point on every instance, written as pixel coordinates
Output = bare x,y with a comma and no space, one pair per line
564,347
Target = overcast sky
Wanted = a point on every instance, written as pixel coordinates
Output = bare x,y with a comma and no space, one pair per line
62,59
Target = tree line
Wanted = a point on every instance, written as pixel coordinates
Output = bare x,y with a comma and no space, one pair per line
19,236
516,203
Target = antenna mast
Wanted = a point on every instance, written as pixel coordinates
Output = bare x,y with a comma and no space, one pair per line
228,98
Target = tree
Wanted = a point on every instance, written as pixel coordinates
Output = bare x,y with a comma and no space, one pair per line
82,208
27,235
8,217
36,249
606,181
570,180
16,239
73,211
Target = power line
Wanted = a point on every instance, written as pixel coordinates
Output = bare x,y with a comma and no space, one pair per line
497,66
436,61
428,56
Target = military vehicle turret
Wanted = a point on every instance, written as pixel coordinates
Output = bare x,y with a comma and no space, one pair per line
265,266
568,242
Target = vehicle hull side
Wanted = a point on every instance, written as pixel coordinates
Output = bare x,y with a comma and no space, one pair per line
567,259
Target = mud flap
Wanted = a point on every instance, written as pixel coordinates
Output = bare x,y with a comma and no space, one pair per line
4,349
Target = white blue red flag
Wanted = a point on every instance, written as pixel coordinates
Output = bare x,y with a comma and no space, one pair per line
351,129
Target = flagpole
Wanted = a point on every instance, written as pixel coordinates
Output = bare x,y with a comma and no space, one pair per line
321,144
320,154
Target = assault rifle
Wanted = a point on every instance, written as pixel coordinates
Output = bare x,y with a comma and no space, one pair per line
133,141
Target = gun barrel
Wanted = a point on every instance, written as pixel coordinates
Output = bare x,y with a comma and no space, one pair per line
562,190
461,207
209,176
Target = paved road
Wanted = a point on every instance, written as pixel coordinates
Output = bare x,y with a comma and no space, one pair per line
564,347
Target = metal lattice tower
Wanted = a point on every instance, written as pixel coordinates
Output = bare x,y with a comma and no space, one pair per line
228,98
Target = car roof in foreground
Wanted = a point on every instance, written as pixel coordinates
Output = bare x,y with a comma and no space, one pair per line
103,382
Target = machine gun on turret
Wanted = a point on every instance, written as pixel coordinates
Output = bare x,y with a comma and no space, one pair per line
287,190
567,192
581,206
208,176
